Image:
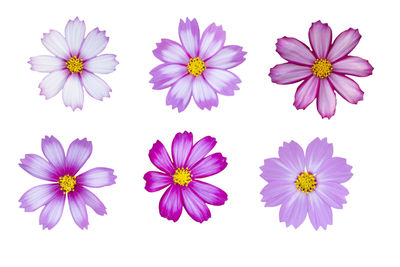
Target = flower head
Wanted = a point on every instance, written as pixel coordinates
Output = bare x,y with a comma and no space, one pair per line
74,63
309,183
62,172
181,176
322,70
197,67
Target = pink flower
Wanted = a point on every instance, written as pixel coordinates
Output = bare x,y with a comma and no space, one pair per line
61,171
74,63
306,184
322,70
182,175
198,67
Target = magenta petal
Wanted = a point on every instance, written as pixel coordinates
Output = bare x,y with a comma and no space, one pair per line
54,152
189,35
210,165
160,158
228,57
289,73
200,150
222,81
343,44
165,75
212,40
319,212
170,51
91,200
294,51
320,36
74,34
171,203
203,94
274,170
294,210
180,93
97,177
292,156
346,87
78,210
333,194
181,147
194,206
38,196
208,193
334,170
318,151
78,153
39,167
306,92
353,66
275,193
326,101
52,212
156,181
94,43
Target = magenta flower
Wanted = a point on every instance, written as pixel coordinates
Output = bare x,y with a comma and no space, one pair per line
198,67
181,175
74,63
62,171
306,184
323,70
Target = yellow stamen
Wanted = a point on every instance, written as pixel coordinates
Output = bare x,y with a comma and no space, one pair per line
306,182
74,65
182,176
196,66
322,68
67,183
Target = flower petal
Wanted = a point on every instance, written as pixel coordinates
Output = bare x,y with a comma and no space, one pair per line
38,196
78,153
52,211
46,63
78,210
319,212
295,51
346,87
317,152
165,75
74,34
170,51
289,73
343,44
275,193
353,66
160,158
91,200
56,44
326,101
212,40
306,92
52,84
94,43
181,147
320,35
200,150
73,92
275,170
102,64
210,165
39,167
54,152
208,193
95,86
294,210
333,194
292,156
203,94
334,170
228,57
222,81
156,181
180,93
97,177
194,206
171,203
189,34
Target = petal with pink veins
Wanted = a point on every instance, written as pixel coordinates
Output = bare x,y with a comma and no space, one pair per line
56,44
208,166
208,193
102,64
295,51
91,200
94,43
317,152
170,51
275,170
288,73
294,210
189,35
52,84
156,181
181,147
95,86
203,94
54,152
74,34
46,63
159,157
319,212
52,211
334,170
222,81
180,93
38,196
195,206
200,150
165,75
292,156
228,57
171,203
212,40
346,87
326,100
320,36
78,210
39,167
334,194
343,44
78,153
353,66
306,92
73,92
97,177
277,192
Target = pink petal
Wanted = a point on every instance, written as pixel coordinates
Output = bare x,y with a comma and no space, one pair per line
181,147
333,194
189,35
346,87
203,94
294,51
292,156
208,193
73,92
52,84
353,66
228,57
318,151
212,41
334,170
165,75
275,170
78,210
289,73
194,206
160,158
294,210
38,196
74,34
56,44
97,177
210,165
326,101
306,92
102,64
78,153
180,93
46,63
222,81
320,36
52,211
91,200
200,150
276,193
344,44
95,86
156,181
94,43
39,167
319,212
170,51
171,203
54,152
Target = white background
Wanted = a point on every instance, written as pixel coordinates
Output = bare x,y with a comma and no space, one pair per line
249,127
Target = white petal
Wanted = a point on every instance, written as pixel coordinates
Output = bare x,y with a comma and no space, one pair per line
94,43
56,44
102,64
46,63
95,86
74,34
53,83
73,92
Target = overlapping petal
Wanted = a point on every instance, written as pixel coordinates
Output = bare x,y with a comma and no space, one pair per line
208,193
222,81
277,192
171,203
228,57
319,212
275,169
212,41
52,211
94,43
210,165
91,200
39,167
346,87
95,86
306,92
180,93
294,51
200,150
38,196
160,158
52,84
170,51
78,210
334,194
54,152
56,44
203,94
292,156
317,152
294,210
344,44
156,181
78,153
194,206
165,75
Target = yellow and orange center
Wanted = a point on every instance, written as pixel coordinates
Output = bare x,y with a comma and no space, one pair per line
322,68
306,182
182,176
67,183
75,65
196,66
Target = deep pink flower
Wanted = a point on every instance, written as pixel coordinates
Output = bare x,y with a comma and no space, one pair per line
198,67
74,63
181,176
322,70
306,184
62,171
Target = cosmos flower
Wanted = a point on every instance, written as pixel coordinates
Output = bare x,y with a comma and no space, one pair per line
182,175
198,67
306,184
61,171
323,70
74,63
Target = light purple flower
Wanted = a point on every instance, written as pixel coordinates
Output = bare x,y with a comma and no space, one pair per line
74,63
61,170
197,67
309,183
181,176
323,70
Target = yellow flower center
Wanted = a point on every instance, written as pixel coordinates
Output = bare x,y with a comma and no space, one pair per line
67,183
306,182
182,176
196,66
74,65
322,68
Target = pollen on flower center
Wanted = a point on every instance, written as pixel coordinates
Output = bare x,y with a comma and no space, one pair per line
75,64
196,66
182,176
67,183
322,68
306,182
